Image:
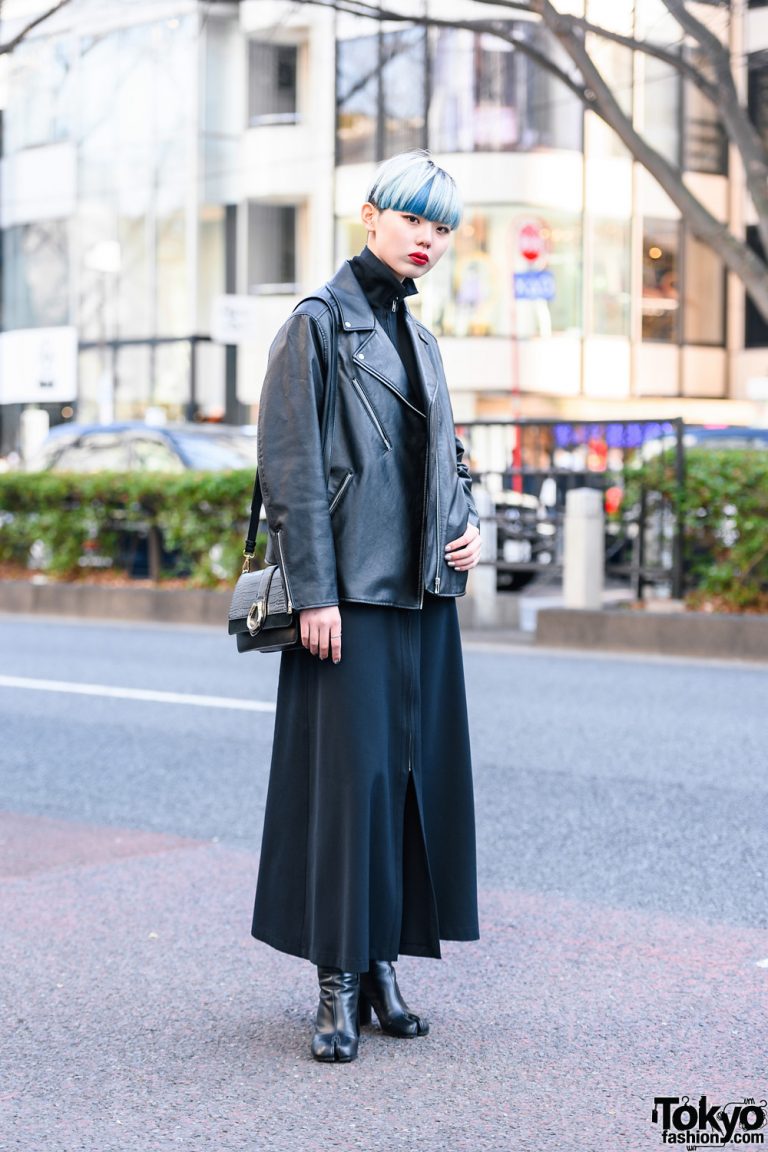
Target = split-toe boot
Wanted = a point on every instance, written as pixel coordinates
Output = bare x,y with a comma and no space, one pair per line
337,1031
379,990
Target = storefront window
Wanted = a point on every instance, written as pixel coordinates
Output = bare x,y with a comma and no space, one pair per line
173,302
470,292
704,299
661,294
610,280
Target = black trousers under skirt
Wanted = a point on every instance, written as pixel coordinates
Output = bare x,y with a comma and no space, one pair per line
369,837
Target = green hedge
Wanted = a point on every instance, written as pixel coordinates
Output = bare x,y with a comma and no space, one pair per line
68,523
725,507
202,518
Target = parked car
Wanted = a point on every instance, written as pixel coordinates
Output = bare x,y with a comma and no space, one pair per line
131,446
525,535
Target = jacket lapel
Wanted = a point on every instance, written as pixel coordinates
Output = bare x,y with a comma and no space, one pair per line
424,362
377,356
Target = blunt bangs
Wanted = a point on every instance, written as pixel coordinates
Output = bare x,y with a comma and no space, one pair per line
412,182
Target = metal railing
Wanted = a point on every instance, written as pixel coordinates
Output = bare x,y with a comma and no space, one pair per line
529,466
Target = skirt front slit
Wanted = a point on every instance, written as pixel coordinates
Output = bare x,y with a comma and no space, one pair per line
368,848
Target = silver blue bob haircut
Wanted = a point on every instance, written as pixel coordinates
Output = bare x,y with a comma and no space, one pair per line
412,182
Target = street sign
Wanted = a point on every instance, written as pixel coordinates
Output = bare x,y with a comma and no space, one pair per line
38,366
536,285
531,241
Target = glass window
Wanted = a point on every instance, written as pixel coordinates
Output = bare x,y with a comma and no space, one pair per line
755,326
40,93
215,451
35,275
661,107
757,93
403,90
152,455
661,302
271,247
704,299
134,370
272,83
470,292
173,301
552,117
98,452
704,142
357,99
610,248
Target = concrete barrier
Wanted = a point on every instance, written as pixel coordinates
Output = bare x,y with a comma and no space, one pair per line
729,637
186,605
100,601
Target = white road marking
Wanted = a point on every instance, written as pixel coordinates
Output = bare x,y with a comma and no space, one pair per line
137,694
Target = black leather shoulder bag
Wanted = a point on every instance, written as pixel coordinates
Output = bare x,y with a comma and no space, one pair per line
261,616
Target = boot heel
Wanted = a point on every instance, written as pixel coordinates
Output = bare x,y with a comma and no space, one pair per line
363,1010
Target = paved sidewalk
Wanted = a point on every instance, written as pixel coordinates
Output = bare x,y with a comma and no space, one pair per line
137,1013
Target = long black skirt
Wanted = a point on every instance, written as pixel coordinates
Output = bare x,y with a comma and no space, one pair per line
369,834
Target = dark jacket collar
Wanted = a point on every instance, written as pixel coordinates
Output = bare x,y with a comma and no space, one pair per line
356,312
382,288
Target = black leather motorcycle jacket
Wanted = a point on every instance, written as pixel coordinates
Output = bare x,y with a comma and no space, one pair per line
369,523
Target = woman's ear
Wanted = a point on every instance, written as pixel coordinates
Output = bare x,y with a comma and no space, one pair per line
369,214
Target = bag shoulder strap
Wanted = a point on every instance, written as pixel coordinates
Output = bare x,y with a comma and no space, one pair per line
329,413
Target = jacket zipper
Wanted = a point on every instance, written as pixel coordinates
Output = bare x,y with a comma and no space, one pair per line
341,491
289,605
369,409
437,499
424,504
390,385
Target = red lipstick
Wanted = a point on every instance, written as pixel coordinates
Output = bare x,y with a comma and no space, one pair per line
419,258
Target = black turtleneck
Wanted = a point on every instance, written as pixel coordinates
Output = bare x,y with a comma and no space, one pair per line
386,296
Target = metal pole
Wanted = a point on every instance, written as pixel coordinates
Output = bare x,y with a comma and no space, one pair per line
678,560
234,411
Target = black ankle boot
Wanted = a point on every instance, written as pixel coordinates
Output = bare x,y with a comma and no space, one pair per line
337,1029
379,990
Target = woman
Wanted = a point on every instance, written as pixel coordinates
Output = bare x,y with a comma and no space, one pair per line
368,848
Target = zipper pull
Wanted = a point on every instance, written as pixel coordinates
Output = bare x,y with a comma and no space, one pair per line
394,305
437,584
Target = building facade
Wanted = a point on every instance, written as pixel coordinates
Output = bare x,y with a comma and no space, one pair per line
176,175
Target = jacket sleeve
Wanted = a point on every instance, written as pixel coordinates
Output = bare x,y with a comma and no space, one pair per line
466,481
291,463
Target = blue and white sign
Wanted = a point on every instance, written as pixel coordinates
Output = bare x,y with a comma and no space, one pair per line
536,285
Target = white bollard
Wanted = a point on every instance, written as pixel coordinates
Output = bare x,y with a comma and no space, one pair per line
584,557
482,580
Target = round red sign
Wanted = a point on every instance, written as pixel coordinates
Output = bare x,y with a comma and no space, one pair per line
530,241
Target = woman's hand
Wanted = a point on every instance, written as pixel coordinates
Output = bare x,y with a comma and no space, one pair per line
321,632
464,553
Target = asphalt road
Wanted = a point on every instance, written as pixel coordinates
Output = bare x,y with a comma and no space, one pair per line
622,812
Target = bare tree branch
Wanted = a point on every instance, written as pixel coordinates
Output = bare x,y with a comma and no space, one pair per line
17,39
736,255
738,126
